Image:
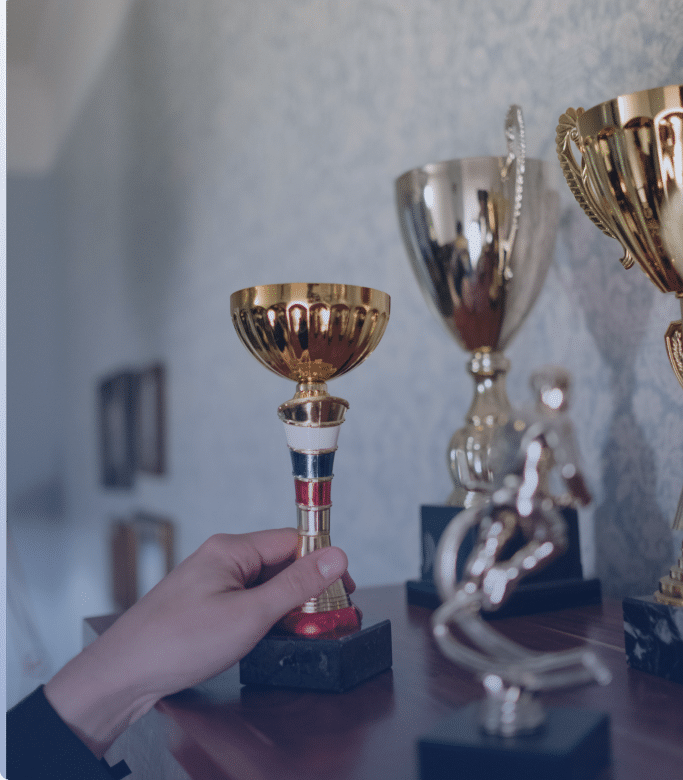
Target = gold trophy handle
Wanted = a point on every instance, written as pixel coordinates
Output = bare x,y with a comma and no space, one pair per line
577,178
674,348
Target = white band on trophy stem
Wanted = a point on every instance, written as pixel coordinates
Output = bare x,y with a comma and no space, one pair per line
303,438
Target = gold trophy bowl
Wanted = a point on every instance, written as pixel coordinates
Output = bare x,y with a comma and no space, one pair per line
629,181
311,333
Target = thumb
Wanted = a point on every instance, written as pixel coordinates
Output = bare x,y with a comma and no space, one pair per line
304,579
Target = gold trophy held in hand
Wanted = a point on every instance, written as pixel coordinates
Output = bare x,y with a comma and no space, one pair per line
311,333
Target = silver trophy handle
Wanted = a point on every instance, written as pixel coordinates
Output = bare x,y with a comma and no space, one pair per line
516,153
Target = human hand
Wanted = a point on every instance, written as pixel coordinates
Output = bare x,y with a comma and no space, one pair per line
199,620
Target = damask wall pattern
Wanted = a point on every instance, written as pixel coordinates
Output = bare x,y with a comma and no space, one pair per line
232,144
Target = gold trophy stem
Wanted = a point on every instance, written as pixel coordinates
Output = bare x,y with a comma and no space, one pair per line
671,586
312,420
674,344
311,333
314,534
670,589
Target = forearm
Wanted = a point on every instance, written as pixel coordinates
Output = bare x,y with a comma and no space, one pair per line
95,700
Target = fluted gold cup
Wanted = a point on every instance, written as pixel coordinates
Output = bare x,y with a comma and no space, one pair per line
629,182
312,333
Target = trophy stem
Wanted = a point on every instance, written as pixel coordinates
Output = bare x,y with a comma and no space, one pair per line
469,449
314,534
312,420
670,590
673,339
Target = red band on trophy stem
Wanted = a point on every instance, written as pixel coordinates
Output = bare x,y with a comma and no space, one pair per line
313,493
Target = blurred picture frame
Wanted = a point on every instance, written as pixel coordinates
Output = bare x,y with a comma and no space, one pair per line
150,414
142,553
116,401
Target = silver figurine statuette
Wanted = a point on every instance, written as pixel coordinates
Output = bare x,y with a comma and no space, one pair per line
534,445
480,234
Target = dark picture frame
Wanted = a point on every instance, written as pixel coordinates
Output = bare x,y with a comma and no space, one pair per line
117,395
150,414
143,552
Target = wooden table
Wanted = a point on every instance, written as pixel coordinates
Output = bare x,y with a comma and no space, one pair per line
222,730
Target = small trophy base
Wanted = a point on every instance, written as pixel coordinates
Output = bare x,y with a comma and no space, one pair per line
573,744
336,665
560,585
653,636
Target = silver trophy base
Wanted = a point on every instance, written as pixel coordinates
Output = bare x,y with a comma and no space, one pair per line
572,744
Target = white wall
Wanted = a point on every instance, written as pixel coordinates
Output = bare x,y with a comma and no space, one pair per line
226,145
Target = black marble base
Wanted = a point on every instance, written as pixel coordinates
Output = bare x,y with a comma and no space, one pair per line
435,518
572,745
653,636
528,599
285,661
559,585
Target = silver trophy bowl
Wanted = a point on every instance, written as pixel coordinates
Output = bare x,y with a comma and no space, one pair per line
480,235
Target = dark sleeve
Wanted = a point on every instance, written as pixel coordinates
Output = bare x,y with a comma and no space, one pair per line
40,745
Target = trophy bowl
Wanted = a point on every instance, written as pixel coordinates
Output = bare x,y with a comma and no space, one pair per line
630,183
311,333
480,238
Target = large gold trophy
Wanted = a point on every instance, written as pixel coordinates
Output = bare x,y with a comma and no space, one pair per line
479,233
312,333
630,184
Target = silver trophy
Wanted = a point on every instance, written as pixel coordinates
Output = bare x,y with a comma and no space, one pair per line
535,444
480,235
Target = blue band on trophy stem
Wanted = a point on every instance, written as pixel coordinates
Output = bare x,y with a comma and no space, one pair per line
312,465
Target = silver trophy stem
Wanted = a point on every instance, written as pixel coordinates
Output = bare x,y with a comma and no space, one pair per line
470,446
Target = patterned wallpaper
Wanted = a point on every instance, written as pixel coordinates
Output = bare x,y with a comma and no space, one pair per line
232,144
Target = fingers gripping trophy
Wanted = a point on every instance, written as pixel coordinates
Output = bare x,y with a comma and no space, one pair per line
536,445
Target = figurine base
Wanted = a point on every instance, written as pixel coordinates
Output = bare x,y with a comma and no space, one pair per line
573,744
528,599
653,636
336,665
559,585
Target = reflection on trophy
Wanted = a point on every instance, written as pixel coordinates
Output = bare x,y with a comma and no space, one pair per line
480,235
518,502
630,184
311,333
